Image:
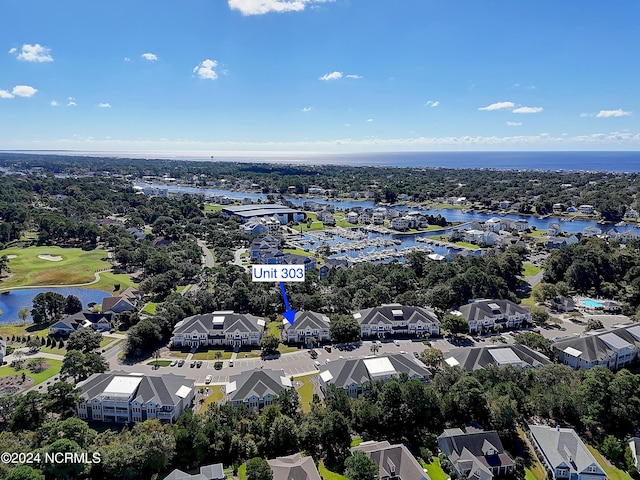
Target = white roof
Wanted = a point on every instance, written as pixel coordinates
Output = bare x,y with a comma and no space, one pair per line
396,313
218,319
614,341
452,362
435,256
379,366
183,391
504,356
123,385
261,322
572,351
230,387
286,381
635,331
326,376
357,315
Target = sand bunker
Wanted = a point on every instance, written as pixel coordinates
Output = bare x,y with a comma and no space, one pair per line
12,256
51,258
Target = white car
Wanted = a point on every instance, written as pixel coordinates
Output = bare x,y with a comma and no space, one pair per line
396,343
174,363
208,379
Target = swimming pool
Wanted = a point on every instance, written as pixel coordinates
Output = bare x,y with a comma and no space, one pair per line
587,302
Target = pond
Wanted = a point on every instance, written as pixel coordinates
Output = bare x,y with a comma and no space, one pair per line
14,300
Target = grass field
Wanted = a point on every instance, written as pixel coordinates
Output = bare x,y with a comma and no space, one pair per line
435,470
54,369
215,396
150,308
531,270
160,363
211,355
328,475
242,472
76,266
613,473
305,392
108,281
467,244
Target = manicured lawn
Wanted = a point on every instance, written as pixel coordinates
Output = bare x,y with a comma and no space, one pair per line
215,396
531,270
327,475
55,350
435,470
212,208
305,392
242,472
274,328
150,308
23,329
160,363
211,355
76,266
54,369
529,300
355,441
538,233
613,473
282,348
467,244
179,354
109,280
298,251
113,344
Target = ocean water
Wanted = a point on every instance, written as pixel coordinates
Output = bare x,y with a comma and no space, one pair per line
601,161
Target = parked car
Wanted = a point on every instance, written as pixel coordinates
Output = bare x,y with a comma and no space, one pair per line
396,343
192,364
208,379
317,364
327,348
180,362
199,363
173,363
415,354
231,363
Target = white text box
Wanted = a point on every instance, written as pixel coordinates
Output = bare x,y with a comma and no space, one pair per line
277,273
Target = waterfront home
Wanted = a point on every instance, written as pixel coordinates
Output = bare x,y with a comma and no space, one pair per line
330,264
122,397
306,326
3,350
394,461
557,208
99,321
351,374
475,453
585,209
326,217
400,223
389,320
554,229
591,231
127,301
613,349
224,328
352,217
282,213
256,388
564,454
484,315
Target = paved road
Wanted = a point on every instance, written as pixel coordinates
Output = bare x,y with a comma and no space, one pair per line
207,256
535,279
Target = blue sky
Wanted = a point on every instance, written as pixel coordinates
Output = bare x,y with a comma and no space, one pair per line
213,76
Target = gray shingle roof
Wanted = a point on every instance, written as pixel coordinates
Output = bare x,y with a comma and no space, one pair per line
562,447
481,309
204,323
390,312
313,320
471,359
258,383
392,460
294,467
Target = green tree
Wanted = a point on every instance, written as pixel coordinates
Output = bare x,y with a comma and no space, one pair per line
432,357
24,472
62,398
593,324
289,402
336,439
72,304
360,467
80,365
23,314
259,469
344,328
454,324
33,344
269,344
4,264
85,340
539,315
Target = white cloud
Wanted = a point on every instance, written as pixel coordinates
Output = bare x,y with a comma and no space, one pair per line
24,91
369,119
205,69
498,106
127,59
5,94
612,113
53,103
353,76
71,104
527,110
331,76
432,103
514,124
260,7
33,53
583,115
152,57
104,105
306,109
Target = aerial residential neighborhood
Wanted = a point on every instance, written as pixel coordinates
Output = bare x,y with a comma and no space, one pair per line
440,349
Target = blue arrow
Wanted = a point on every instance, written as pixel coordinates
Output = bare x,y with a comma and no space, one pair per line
290,315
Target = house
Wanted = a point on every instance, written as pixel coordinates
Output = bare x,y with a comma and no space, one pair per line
591,231
613,349
563,304
493,224
632,214
484,315
264,247
351,374
400,223
554,229
326,218
393,319
557,208
218,328
3,351
122,397
476,358
504,204
282,213
352,217
377,218
254,227
364,218
294,467
127,301
634,447
394,461
331,264
564,454
215,471
256,388
307,326
84,319
585,209
475,453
